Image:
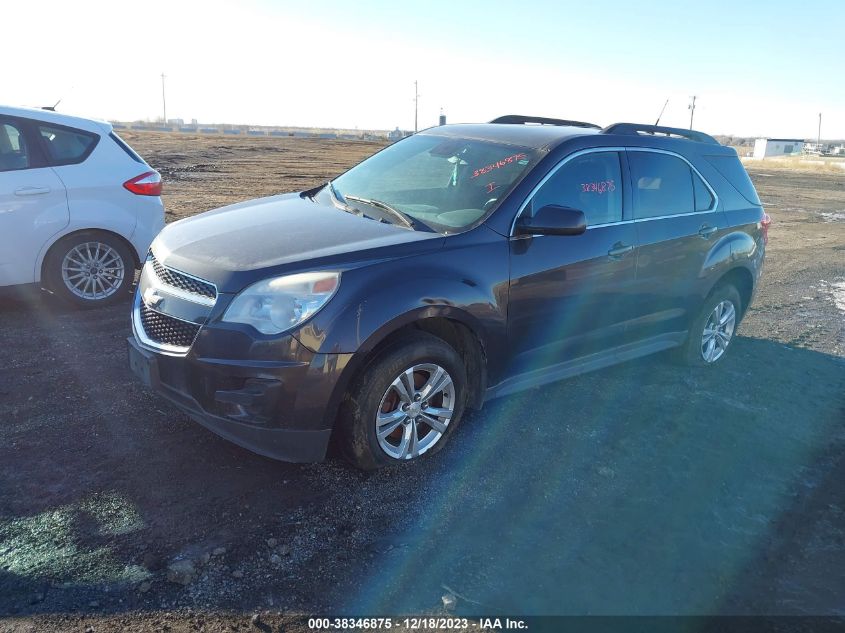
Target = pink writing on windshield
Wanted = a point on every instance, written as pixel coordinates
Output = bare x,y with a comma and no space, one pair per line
498,164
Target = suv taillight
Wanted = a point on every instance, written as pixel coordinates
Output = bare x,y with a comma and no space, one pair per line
147,184
764,224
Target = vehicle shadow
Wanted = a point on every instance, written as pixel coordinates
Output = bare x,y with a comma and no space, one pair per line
644,488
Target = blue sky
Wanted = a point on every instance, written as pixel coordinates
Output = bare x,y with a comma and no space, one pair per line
758,68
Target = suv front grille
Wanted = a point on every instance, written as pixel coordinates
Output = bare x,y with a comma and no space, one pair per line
166,330
182,281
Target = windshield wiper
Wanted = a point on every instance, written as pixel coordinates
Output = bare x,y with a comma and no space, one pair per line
340,202
403,218
335,193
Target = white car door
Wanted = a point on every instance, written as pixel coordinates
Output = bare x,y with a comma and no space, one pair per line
33,203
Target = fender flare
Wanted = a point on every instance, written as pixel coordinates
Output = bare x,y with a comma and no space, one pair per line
364,354
374,310
351,332
744,258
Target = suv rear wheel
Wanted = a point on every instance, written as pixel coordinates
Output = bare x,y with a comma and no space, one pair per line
404,404
90,268
714,329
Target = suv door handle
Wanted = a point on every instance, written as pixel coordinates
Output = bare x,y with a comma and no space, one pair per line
31,191
706,230
619,249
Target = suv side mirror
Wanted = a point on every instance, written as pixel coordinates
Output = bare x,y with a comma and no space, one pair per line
552,220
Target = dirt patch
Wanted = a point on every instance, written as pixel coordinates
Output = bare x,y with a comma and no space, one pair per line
640,489
206,172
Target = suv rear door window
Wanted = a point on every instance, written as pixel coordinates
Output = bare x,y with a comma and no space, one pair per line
662,185
14,153
66,146
591,183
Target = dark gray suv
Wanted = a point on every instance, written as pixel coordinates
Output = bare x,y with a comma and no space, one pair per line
461,264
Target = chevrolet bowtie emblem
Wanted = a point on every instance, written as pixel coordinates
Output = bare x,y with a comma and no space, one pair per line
152,298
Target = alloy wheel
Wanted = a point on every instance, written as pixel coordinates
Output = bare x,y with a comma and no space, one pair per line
415,411
93,270
718,331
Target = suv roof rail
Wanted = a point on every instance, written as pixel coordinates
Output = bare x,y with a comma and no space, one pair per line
636,128
522,119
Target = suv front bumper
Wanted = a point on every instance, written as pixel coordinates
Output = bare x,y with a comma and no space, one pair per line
279,409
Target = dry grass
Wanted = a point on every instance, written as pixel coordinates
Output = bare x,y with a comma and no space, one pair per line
817,164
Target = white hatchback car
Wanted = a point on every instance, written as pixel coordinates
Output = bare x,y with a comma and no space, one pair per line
78,207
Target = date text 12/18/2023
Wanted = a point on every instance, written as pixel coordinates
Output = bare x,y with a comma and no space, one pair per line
419,624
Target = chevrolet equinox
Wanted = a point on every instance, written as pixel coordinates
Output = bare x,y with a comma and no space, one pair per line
461,264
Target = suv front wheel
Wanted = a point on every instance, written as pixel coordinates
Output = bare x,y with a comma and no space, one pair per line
714,329
404,404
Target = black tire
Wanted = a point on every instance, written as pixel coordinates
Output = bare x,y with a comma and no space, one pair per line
371,390
124,262
691,352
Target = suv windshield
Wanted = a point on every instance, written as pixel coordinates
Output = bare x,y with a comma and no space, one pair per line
445,183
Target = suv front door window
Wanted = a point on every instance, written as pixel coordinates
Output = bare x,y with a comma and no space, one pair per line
590,183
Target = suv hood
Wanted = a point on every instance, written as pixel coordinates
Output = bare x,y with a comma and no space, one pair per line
240,244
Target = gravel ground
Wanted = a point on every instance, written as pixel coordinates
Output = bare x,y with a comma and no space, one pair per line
642,489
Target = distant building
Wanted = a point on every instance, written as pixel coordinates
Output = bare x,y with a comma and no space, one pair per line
397,134
766,147
815,148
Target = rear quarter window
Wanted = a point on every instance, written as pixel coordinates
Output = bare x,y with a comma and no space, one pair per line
125,147
66,146
731,168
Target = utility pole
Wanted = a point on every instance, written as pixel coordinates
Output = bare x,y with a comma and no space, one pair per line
819,139
416,104
163,101
691,108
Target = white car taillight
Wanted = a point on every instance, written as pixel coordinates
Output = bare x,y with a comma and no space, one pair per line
147,184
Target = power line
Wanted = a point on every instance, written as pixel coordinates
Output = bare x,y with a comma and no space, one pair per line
163,101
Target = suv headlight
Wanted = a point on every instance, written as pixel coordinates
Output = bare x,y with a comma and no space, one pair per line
275,305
